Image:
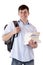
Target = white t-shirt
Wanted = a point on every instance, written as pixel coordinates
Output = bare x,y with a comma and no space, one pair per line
20,51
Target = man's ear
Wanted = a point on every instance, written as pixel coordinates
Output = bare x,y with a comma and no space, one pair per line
18,12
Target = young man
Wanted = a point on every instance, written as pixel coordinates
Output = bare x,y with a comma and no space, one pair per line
20,53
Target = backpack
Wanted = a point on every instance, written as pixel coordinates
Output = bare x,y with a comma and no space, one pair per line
9,42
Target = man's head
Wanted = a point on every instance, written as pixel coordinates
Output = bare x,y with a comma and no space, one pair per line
22,7
23,12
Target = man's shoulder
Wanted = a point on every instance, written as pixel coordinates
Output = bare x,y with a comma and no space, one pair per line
33,26
11,24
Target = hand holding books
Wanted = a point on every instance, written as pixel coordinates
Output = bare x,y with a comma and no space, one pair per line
34,36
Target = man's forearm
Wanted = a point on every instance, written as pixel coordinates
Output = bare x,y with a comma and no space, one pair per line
7,36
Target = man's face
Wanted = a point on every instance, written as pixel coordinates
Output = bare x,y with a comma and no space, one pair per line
23,14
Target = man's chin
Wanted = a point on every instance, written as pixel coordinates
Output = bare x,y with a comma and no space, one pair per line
24,18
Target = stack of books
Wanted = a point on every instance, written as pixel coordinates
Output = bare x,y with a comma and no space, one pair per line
34,36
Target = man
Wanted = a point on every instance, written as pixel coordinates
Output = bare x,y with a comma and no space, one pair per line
20,53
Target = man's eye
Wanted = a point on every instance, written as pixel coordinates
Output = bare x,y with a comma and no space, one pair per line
23,12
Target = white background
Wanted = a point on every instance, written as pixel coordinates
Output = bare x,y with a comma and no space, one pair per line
9,12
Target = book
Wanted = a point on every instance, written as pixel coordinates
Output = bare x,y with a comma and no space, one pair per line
34,36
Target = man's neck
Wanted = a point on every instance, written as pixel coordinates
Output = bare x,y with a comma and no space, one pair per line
24,21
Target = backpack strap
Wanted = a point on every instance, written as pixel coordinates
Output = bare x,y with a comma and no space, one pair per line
16,25
15,35
5,26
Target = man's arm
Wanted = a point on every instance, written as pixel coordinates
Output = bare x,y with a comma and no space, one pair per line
7,36
10,34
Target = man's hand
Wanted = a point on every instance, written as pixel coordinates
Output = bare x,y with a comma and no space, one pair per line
32,43
16,30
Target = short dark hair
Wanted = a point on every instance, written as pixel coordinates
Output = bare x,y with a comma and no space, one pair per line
22,7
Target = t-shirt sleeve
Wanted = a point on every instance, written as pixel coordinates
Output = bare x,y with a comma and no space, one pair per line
8,29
